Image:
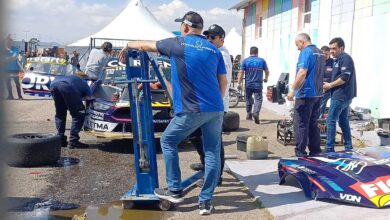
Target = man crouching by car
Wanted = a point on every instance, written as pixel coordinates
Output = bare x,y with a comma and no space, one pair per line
68,93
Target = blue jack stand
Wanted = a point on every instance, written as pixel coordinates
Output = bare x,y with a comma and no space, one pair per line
142,127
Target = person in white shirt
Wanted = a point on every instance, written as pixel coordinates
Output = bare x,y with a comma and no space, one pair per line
97,60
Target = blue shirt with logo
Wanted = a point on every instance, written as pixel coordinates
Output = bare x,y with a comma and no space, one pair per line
313,60
344,68
195,64
254,67
79,85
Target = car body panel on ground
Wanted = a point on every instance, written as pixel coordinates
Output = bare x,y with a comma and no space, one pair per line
360,176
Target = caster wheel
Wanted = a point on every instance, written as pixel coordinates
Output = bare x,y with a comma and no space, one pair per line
127,204
164,205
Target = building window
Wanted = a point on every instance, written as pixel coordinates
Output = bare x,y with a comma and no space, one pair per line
307,12
260,26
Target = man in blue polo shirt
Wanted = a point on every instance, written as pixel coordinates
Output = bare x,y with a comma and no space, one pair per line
307,89
253,67
343,90
198,85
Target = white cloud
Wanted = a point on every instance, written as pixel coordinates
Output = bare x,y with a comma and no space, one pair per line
65,21
167,13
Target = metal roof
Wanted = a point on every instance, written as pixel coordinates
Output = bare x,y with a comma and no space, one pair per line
242,4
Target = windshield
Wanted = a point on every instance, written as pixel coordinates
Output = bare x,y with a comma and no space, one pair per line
50,66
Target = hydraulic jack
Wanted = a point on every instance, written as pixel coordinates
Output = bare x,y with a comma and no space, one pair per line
145,159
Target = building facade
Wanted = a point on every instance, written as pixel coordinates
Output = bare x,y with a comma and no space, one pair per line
364,25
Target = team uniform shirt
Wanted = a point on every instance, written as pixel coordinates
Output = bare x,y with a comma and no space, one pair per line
344,68
229,70
254,67
328,70
97,60
313,60
79,86
12,65
195,65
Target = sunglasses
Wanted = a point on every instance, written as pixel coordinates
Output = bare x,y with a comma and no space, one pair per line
211,37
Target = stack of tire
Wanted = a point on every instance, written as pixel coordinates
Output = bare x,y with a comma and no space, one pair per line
33,149
231,121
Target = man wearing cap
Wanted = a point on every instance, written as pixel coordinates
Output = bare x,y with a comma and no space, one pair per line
97,60
253,67
216,35
198,85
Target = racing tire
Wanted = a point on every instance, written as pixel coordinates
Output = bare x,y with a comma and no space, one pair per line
33,149
231,121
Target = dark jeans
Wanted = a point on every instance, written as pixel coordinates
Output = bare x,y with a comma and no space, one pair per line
338,111
67,98
196,140
9,86
324,101
257,101
307,133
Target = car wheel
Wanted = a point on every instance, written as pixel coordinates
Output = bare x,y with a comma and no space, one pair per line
33,149
231,121
233,99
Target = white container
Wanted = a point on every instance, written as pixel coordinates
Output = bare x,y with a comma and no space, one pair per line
257,148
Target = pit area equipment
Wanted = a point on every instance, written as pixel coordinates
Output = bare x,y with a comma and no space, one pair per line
138,66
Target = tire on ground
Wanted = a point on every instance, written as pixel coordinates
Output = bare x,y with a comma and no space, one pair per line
33,149
231,121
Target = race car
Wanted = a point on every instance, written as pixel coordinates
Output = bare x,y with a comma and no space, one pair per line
110,116
360,176
40,72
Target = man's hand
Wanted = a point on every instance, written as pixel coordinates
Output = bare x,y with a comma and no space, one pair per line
239,87
122,55
265,80
326,86
290,95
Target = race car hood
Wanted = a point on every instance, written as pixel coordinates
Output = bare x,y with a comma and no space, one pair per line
360,176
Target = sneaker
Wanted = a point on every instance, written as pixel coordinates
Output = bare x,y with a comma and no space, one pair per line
249,117
197,166
174,197
257,120
64,142
205,208
328,150
300,154
77,144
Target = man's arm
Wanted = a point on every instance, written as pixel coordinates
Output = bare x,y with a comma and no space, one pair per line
222,81
266,75
149,46
337,82
301,75
239,78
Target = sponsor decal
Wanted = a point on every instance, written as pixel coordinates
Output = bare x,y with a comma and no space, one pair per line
332,184
303,168
354,166
37,82
350,198
345,164
382,161
99,125
122,66
377,191
96,115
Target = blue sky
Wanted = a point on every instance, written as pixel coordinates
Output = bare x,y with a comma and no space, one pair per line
65,21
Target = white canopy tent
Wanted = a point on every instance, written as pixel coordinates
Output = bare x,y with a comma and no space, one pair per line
135,22
233,42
